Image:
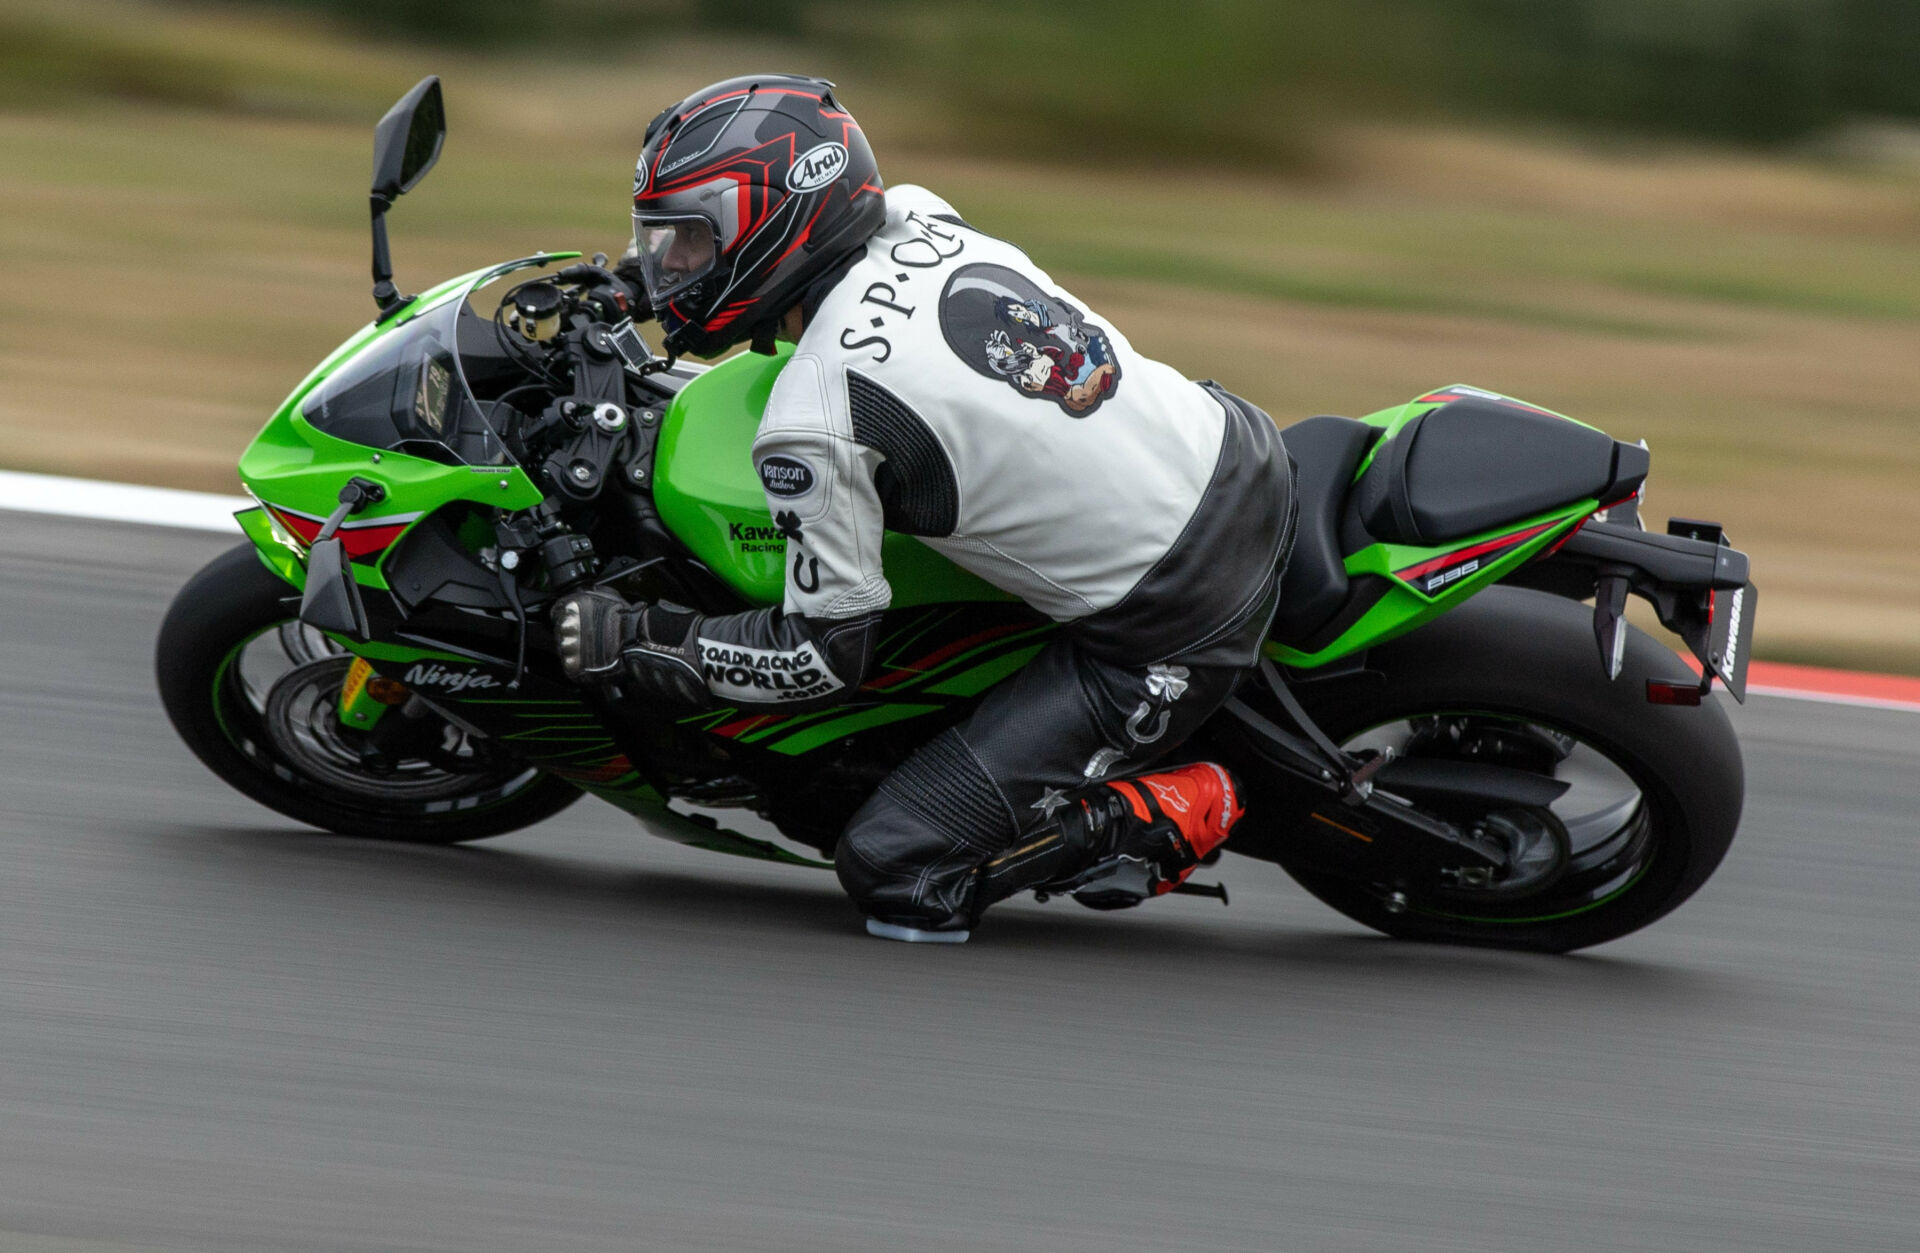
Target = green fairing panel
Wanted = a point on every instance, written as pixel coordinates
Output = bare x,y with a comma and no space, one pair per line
709,496
277,550
296,467
1404,607
292,465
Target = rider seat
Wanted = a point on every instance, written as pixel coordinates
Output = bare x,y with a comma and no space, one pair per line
1325,451
1475,463
1466,467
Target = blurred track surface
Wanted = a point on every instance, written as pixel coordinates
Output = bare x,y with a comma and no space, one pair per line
221,1032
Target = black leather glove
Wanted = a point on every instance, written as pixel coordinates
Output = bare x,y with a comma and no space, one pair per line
603,639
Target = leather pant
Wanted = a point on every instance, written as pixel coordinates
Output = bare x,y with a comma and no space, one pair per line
1066,720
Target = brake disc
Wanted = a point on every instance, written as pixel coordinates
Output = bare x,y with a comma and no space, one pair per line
303,723
1538,848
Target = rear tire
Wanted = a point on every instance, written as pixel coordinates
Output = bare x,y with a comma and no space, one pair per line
234,600
1529,656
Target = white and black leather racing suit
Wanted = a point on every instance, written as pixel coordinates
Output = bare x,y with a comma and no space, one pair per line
946,387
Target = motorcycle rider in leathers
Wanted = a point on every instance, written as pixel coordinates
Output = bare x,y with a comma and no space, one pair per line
942,385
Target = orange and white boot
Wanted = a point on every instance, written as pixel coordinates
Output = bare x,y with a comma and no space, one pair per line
1120,842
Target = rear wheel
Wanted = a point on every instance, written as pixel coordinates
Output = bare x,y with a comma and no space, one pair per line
1513,677
254,693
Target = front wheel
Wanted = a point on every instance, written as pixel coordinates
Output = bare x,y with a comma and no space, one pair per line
1513,677
254,693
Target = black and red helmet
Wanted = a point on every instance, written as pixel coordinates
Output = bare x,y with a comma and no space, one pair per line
745,193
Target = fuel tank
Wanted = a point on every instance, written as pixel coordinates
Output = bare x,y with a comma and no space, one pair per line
710,497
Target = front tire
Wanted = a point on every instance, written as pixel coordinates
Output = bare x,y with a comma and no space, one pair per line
228,606
1518,659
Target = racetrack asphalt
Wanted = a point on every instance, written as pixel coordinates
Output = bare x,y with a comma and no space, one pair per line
219,1031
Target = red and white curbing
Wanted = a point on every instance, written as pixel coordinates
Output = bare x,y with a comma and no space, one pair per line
204,511
1834,687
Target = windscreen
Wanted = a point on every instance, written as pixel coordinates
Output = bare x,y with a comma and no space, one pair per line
406,391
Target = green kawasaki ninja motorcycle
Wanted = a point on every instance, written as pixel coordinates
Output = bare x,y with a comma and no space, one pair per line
1447,741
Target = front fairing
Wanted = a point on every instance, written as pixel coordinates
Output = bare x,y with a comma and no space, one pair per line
296,469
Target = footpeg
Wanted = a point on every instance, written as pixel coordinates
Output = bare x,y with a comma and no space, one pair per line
1217,890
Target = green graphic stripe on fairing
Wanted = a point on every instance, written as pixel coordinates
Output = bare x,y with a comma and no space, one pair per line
586,735
985,675
849,724
893,646
973,654
519,737
786,725
378,651
920,680
970,683
587,748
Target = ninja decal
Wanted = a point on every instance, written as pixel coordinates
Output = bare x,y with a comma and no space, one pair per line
1006,328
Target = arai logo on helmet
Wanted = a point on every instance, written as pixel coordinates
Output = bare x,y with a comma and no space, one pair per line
817,166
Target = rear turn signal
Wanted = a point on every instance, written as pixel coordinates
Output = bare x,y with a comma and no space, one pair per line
1665,692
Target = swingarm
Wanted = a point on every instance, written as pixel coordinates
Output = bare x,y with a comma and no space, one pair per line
1378,811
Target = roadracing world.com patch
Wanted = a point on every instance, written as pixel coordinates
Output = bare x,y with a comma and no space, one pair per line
764,674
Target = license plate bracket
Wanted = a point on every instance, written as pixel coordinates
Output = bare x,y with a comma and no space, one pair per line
1730,636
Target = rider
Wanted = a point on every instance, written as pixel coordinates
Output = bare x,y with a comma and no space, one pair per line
942,385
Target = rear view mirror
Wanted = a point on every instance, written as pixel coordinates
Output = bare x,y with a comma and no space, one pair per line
407,141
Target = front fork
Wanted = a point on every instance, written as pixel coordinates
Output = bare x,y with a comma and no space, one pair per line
358,707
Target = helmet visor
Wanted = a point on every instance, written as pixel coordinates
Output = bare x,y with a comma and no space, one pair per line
675,253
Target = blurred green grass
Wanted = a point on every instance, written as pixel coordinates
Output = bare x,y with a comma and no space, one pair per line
1758,320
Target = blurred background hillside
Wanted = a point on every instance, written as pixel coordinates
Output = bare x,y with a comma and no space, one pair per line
1693,221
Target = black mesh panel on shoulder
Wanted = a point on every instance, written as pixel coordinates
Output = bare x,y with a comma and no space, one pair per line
918,492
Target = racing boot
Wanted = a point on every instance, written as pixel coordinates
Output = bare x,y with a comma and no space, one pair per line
1118,843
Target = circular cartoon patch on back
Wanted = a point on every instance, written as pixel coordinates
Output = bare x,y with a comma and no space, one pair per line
1006,328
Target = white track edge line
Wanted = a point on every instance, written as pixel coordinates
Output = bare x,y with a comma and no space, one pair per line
119,502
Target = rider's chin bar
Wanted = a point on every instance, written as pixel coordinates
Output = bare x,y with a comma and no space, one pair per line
1696,582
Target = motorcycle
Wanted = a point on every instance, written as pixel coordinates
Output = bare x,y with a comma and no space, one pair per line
1444,741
